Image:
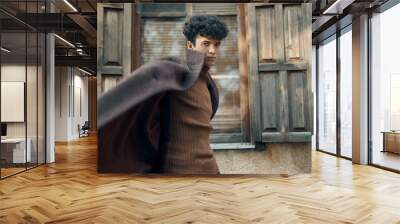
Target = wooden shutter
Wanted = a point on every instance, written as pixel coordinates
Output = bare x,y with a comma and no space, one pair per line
114,24
280,70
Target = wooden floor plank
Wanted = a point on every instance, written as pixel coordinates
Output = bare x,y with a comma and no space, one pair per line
71,191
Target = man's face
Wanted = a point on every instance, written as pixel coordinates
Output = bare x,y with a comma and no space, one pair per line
208,46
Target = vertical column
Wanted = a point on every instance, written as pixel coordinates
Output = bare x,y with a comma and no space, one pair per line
50,93
360,90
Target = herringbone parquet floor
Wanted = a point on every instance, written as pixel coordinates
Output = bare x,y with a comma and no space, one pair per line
70,191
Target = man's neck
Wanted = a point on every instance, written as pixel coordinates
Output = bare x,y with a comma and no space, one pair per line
205,69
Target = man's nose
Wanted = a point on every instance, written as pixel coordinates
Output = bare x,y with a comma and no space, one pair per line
211,50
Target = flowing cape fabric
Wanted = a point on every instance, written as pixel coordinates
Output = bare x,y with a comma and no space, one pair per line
133,116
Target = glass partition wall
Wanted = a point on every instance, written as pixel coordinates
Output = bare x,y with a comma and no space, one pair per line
334,94
22,66
385,90
345,65
327,95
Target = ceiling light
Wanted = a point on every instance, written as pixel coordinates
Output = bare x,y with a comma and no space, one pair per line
338,6
70,5
5,50
86,72
65,41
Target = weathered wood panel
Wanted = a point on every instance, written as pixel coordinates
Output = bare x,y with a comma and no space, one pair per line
296,83
92,85
244,73
266,32
279,64
292,29
114,32
112,37
270,114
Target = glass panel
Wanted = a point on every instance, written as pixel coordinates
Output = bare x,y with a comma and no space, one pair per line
13,87
160,38
227,77
314,88
23,89
31,86
346,94
41,98
31,97
327,96
385,89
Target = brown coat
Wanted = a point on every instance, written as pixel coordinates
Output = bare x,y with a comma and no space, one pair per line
132,117
187,149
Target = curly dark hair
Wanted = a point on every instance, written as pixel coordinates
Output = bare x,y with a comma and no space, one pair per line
205,25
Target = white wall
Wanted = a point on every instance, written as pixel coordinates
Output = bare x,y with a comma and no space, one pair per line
61,103
80,93
12,73
70,83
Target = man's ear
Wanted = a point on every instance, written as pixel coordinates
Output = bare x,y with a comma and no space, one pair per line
189,44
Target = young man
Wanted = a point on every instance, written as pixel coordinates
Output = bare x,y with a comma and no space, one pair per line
188,149
204,34
158,119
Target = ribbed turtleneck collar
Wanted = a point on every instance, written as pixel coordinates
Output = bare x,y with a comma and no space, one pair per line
204,71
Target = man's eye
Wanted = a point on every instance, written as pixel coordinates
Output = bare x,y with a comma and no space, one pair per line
205,43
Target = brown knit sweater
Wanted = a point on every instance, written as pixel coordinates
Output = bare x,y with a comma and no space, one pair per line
188,150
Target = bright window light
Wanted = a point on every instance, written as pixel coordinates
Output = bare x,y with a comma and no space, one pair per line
70,5
64,40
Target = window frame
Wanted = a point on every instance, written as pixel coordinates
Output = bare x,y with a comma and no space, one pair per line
338,33
228,140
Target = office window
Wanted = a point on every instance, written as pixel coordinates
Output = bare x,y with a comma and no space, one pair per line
385,89
346,92
327,95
